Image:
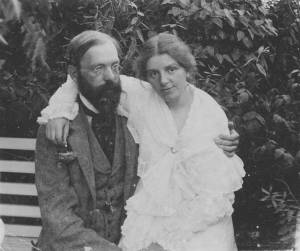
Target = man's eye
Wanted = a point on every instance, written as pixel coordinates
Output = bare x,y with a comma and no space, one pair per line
116,67
99,68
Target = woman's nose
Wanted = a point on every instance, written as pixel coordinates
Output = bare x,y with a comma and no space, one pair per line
164,78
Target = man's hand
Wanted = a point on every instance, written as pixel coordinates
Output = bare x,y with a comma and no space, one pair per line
228,143
57,130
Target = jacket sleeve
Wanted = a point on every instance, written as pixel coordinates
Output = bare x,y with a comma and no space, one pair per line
58,201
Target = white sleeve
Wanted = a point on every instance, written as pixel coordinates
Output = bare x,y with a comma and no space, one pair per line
134,92
133,98
62,103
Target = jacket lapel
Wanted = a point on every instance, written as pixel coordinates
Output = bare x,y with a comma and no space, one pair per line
131,156
79,141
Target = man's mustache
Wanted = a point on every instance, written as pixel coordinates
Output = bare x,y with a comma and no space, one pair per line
109,94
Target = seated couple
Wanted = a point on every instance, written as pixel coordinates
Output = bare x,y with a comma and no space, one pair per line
149,166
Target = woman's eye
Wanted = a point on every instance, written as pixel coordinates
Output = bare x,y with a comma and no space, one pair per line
172,69
153,74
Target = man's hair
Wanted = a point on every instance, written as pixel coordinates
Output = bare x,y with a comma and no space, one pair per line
79,45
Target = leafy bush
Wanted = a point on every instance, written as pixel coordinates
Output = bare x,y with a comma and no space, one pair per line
248,59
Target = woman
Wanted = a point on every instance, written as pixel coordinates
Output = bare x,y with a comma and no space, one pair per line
184,198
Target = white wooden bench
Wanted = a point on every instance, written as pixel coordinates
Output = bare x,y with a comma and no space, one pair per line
18,201
18,236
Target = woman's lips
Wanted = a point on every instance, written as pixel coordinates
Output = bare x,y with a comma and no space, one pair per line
166,89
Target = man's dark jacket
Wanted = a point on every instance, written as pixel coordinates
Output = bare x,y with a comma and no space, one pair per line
66,189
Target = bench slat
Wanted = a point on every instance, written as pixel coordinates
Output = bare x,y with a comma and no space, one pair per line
13,243
17,143
18,189
20,210
12,166
22,230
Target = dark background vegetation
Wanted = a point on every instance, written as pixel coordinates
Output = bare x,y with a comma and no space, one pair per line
248,59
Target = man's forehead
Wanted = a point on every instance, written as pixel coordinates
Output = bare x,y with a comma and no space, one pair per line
100,54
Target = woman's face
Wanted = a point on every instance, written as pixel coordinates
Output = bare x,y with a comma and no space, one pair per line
167,77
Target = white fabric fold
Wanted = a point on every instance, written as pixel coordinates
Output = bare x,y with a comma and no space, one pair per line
186,182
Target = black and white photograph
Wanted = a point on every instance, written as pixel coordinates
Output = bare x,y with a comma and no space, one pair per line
149,125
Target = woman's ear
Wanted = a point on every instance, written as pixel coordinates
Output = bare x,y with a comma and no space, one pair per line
190,77
72,71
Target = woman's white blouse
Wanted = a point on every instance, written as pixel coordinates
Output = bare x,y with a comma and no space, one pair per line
186,182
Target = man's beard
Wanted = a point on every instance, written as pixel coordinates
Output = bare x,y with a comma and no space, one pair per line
104,98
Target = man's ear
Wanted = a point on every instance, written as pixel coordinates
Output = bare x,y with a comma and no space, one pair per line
72,71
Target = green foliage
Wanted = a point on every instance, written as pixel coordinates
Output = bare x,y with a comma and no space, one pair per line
9,10
248,59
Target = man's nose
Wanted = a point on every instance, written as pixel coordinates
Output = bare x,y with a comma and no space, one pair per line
109,74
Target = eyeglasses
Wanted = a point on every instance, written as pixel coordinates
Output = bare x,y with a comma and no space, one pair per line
100,69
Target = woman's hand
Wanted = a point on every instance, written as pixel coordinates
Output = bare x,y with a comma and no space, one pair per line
57,130
228,143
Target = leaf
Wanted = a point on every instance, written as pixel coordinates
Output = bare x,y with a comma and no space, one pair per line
244,20
175,11
2,40
203,14
134,20
240,35
229,16
2,61
279,152
261,69
258,22
247,42
11,9
210,50
236,54
222,34
132,4
17,7
220,58
241,12
168,2
265,191
281,123
140,35
263,10
252,115
185,2
228,59
251,33
260,50
218,21
206,6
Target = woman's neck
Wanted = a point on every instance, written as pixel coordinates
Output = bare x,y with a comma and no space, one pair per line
180,109
184,100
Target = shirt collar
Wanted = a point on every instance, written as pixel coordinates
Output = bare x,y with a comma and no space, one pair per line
88,104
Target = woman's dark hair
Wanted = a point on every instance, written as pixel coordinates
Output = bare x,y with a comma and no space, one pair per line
164,43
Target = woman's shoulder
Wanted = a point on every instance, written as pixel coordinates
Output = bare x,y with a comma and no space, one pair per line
210,105
205,96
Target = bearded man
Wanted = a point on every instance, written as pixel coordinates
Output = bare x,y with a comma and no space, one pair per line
82,193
